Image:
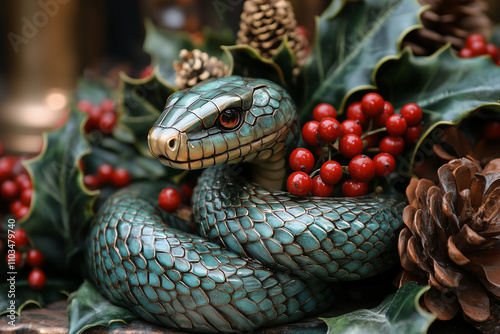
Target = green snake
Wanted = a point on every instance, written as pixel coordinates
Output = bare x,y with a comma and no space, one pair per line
264,257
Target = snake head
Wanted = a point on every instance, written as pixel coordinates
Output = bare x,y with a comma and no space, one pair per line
223,121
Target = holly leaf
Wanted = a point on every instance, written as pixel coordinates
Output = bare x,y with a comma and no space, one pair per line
14,301
446,87
61,206
92,90
398,313
246,61
352,38
495,36
88,308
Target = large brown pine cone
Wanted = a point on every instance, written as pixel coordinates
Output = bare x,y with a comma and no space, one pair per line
196,66
452,241
265,23
448,21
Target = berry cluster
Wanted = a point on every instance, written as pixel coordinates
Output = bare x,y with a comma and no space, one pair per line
352,141
475,45
15,186
23,254
102,117
106,175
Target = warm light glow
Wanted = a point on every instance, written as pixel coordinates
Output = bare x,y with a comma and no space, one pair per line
56,100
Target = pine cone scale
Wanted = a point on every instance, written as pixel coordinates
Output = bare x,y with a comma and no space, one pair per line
474,301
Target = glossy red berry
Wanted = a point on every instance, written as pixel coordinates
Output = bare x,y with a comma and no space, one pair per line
478,48
302,160
396,125
412,134
84,106
107,122
9,190
92,182
320,188
6,165
21,212
355,112
15,258
465,53
492,131
493,51
384,164
35,258
350,126
361,168
392,145
350,145
299,184
37,279
412,114
23,181
331,172
187,190
146,72
310,133
475,37
351,188
107,106
26,196
372,105
382,118
20,238
329,129
95,114
105,172
121,177
324,110
15,205
170,199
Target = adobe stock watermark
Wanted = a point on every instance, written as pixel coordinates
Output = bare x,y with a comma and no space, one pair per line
31,27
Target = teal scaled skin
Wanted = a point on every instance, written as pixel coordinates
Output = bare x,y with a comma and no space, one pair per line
275,253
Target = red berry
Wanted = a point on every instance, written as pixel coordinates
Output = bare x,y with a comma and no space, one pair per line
187,190
382,118
15,258
20,238
35,258
120,177
92,182
303,31
350,145
492,51
105,172
310,133
478,48
396,125
146,72
350,126
37,279
23,181
107,122
15,205
170,199
26,196
412,134
320,188
6,165
355,112
107,106
351,188
372,140
299,184
94,117
475,37
412,114
465,53
361,168
301,159
492,131
392,145
84,106
372,105
21,212
384,164
331,172
9,190
329,129
324,110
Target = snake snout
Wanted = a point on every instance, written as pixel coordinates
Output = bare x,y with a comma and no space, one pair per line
164,142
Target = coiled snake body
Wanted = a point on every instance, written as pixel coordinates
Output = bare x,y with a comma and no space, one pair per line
271,255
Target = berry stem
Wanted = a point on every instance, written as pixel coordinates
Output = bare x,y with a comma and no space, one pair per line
369,133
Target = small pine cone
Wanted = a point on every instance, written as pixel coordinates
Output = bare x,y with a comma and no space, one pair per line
452,240
196,66
448,21
265,23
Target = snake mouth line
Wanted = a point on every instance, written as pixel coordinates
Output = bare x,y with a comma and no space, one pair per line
234,155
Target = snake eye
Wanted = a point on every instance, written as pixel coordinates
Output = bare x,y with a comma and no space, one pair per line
230,118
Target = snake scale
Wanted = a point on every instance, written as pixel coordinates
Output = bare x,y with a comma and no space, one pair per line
264,257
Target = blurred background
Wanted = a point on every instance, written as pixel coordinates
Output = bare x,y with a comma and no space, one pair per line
49,44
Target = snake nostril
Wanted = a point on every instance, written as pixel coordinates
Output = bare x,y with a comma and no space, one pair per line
172,143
